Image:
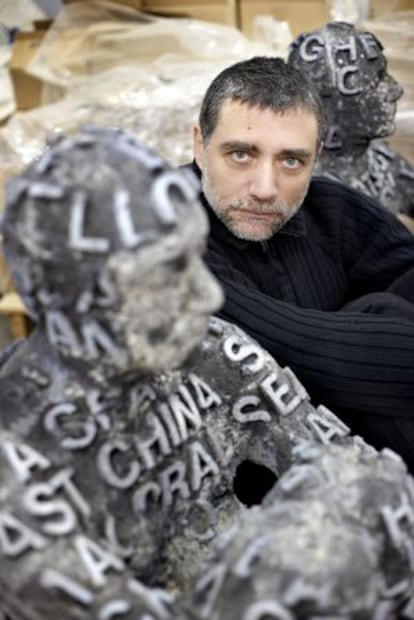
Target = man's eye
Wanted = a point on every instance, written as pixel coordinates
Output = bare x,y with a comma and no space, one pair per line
240,156
292,162
179,264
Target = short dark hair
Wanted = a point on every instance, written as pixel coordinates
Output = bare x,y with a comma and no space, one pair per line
265,82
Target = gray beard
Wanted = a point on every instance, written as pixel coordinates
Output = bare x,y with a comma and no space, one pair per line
286,212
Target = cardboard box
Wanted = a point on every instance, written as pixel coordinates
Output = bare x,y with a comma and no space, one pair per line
28,89
379,8
136,4
214,4
301,15
219,12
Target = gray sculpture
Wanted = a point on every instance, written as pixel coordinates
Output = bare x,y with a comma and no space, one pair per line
133,429
349,69
335,539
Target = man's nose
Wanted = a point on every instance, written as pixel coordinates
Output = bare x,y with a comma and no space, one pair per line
395,90
263,183
207,295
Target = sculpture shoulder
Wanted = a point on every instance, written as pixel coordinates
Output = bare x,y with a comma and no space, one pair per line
379,172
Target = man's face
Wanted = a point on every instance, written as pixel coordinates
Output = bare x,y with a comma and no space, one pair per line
167,299
257,166
380,106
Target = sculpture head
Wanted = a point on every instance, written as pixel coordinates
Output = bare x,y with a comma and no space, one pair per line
349,69
104,240
334,529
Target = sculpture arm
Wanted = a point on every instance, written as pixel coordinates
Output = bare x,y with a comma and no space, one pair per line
52,562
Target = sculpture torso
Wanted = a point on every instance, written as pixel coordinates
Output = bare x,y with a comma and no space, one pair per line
378,171
143,466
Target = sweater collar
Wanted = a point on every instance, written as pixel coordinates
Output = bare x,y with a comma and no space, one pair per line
295,227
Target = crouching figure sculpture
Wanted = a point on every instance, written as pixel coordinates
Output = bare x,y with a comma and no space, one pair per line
134,428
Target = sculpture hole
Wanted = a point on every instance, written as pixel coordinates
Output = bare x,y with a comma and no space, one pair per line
160,334
252,482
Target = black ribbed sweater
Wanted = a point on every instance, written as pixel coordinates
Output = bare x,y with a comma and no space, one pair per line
289,294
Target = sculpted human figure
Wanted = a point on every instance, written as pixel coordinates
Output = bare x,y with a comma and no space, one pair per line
134,429
334,539
360,97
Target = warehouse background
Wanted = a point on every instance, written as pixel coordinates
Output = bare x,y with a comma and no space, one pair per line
144,65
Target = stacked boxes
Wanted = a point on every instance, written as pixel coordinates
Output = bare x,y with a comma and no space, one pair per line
218,11
26,87
300,15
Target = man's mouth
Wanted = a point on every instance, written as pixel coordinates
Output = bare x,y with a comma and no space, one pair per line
258,214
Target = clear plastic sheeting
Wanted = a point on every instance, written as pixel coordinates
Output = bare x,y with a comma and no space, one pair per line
105,64
21,14
14,17
272,32
111,65
159,112
89,38
344,10
7,98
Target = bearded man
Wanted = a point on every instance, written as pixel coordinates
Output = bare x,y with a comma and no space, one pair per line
320,274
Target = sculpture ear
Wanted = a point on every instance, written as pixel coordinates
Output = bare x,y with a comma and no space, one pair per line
198,147
333,138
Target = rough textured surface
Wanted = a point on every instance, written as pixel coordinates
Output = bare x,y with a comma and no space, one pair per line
146,467
334,540
349,69
130,438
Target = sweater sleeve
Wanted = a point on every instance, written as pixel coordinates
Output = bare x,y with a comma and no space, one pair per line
377,249
349,361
